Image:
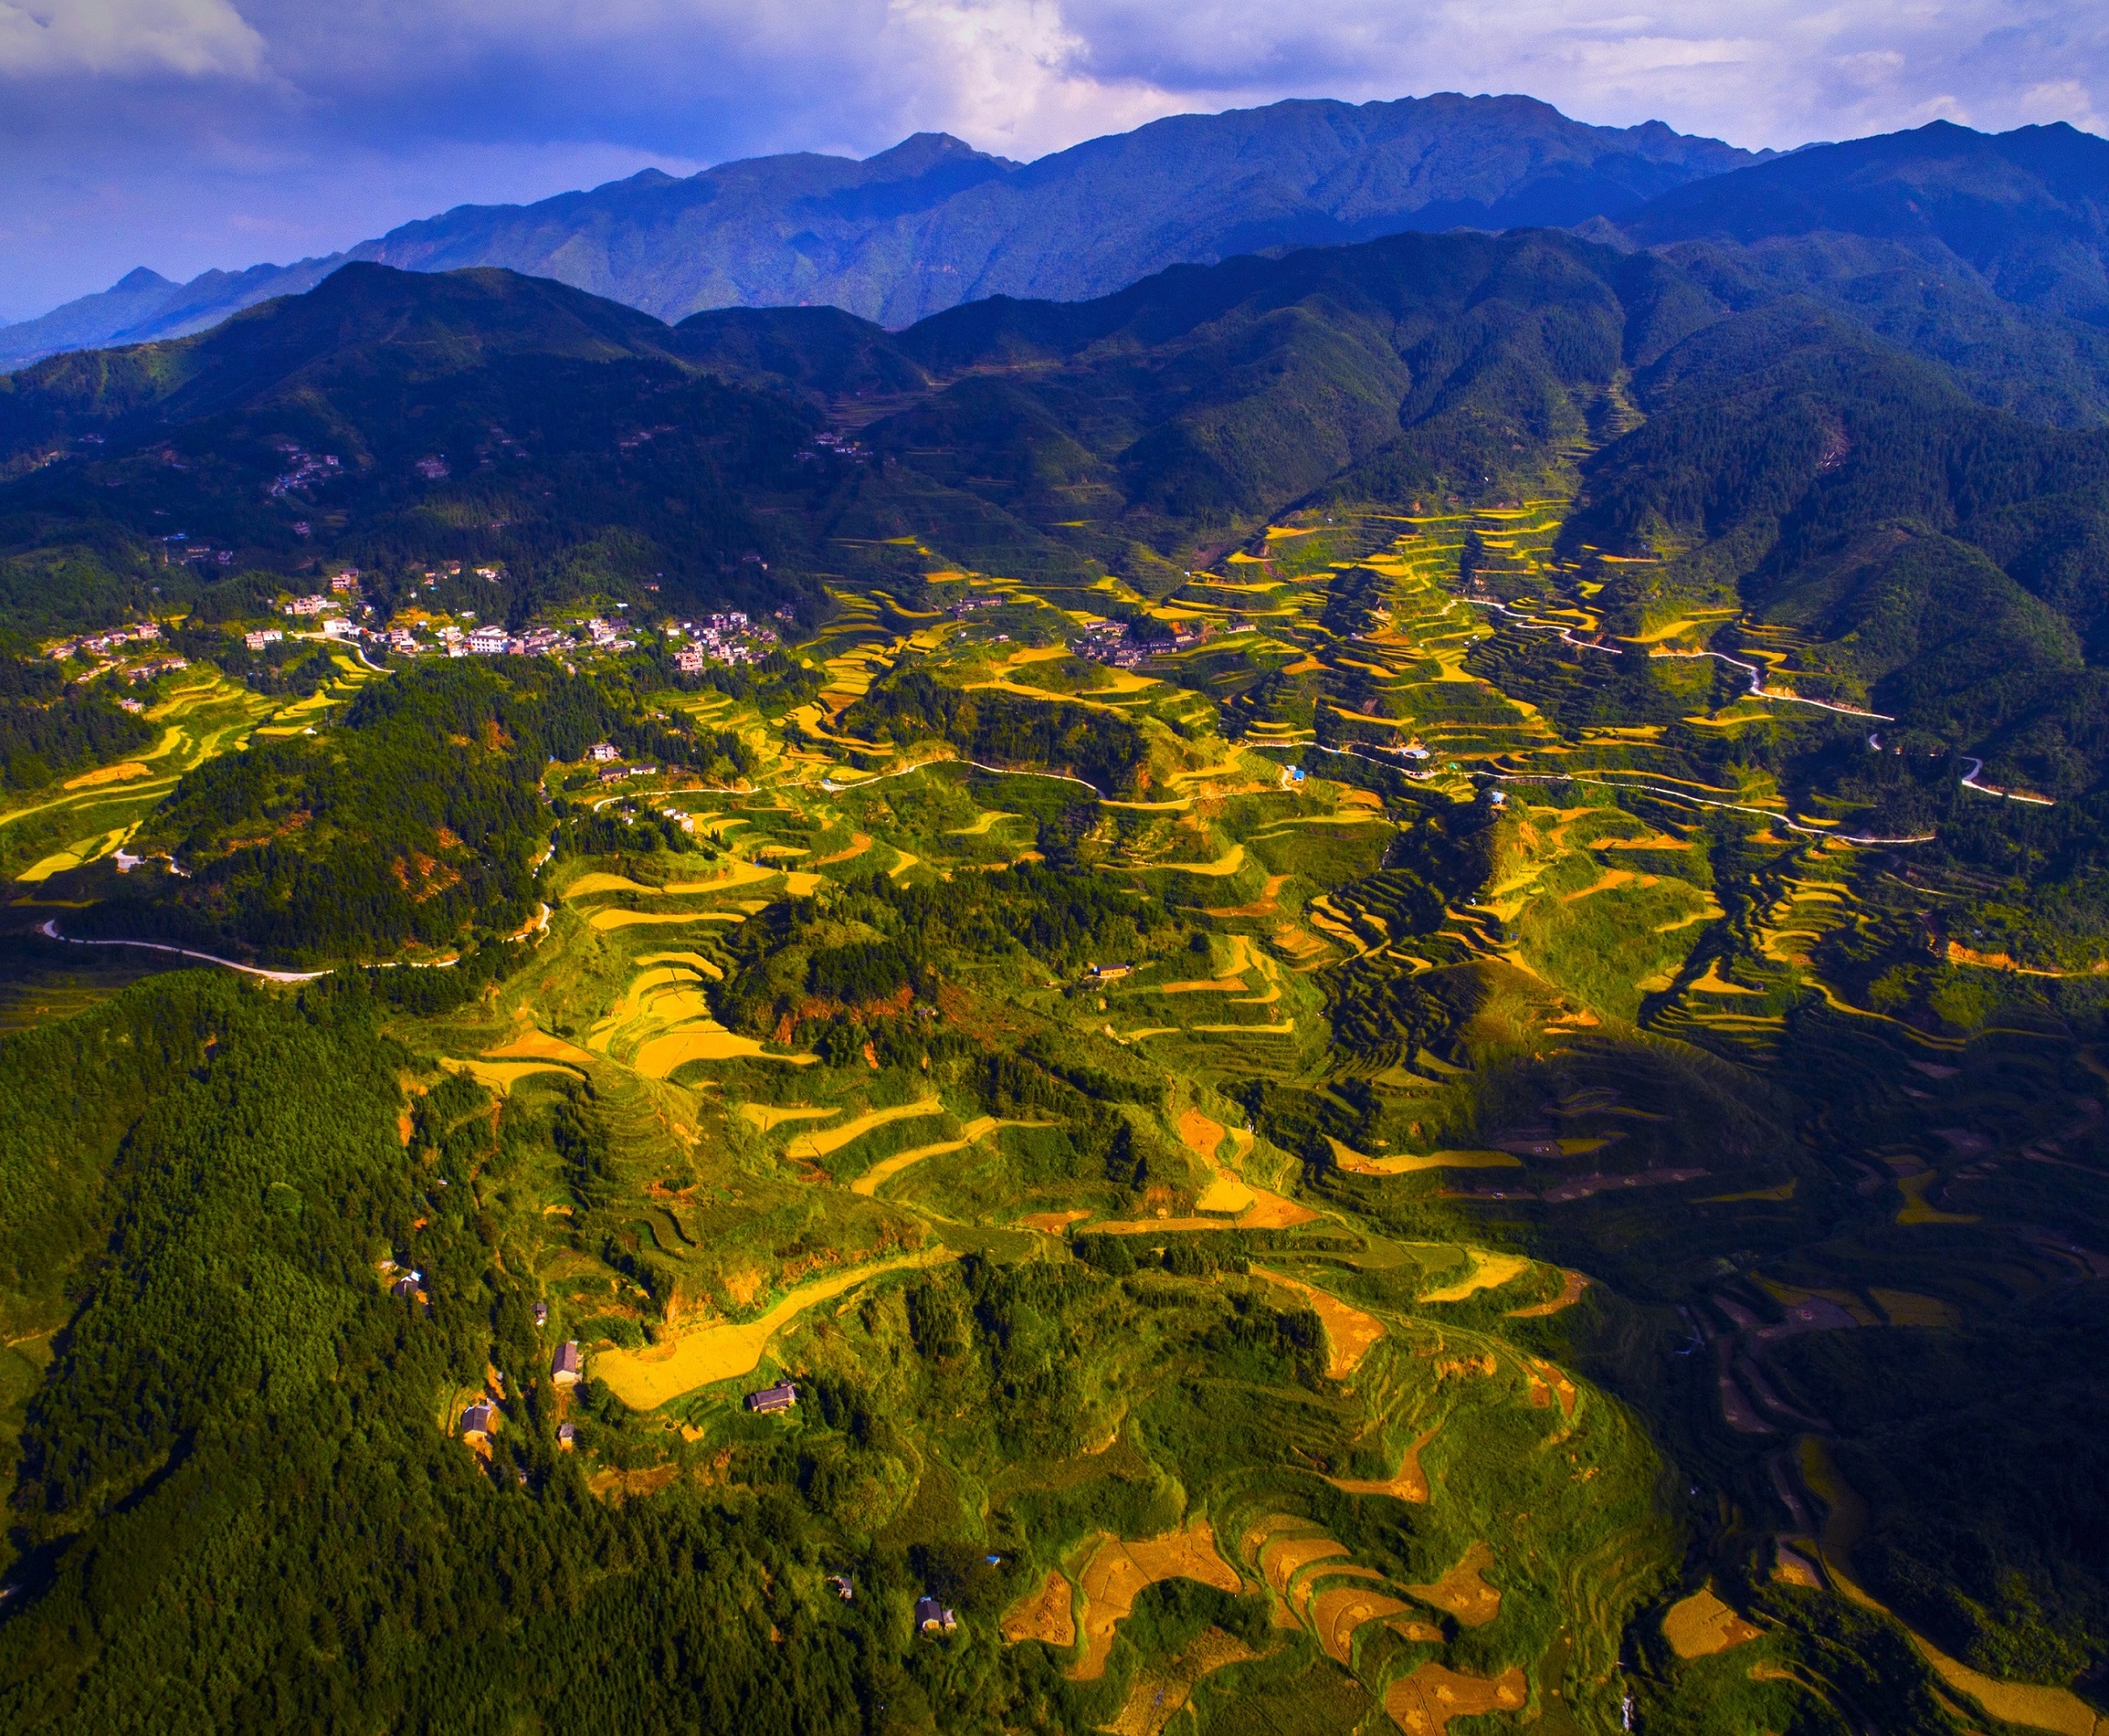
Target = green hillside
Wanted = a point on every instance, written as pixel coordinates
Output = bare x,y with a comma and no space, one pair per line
1383,973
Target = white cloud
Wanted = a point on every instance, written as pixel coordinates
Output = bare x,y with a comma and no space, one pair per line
192,39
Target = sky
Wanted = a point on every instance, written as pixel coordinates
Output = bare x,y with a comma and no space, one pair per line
186,134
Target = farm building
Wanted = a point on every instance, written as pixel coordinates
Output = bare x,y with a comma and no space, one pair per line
931,1617
781,1397
567,1436
541,1313
564,1365
479,1422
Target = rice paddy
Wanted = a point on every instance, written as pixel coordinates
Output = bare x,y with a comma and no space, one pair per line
645,1379
1116,1572
1456,1116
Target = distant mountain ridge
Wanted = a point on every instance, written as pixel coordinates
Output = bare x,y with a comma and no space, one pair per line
934,222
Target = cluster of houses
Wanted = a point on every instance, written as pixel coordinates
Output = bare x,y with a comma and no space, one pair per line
155,666
728,638
113,643
840,445
1115,643
103,644
480,1420
182,551
305,469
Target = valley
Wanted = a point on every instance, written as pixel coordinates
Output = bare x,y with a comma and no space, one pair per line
1375,1000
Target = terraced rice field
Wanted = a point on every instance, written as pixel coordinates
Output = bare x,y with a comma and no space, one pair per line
1116,1572
645,1379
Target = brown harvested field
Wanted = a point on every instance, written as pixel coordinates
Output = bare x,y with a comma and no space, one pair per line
614,1485
1285,1557
1337,1612
1350,1334
1409,1485
765,1116
1545,1374
540,1046
1159,1694
695,961
1046,1615
103,775
1570,1294
1419,1633
1423,1704
859,842
1917,1208
820,1142
657,1057
1271,1212
1790,1568
1052,1222
645,1380
503,1076
1412,1163
608,919
1487,1272
1257,1534
1201,1134
1701,1625
1461,1592
1905,1309
1117,1572
1225,1194
2052,1708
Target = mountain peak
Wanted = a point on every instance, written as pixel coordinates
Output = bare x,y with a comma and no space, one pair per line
920,152
138,279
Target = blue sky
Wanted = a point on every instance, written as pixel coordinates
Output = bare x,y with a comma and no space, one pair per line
187,134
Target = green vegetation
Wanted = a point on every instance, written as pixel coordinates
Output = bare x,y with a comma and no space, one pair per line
1337,1099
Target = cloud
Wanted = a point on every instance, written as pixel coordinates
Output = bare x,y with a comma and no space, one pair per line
126,39
180,132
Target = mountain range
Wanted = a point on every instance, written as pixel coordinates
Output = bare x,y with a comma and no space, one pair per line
933,222
1359,984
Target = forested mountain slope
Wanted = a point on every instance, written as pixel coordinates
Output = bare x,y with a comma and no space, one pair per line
1988,253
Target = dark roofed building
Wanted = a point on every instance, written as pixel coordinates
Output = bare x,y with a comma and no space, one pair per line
931,1617
781,1397
567,1436
564,1365
479,1419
